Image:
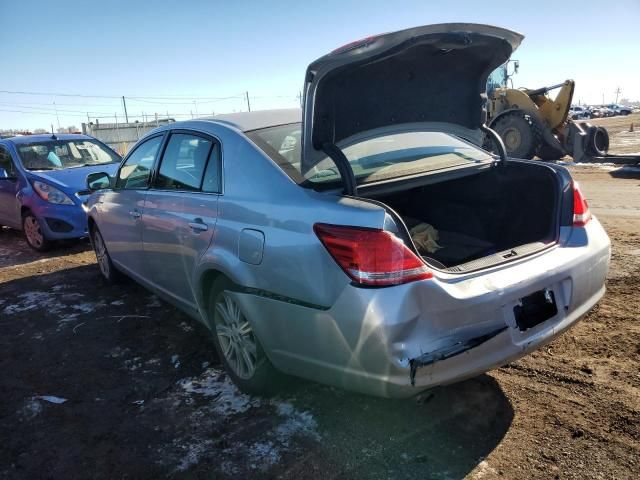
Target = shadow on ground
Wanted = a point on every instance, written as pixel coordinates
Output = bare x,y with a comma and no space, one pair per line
14,249
629,172
127,363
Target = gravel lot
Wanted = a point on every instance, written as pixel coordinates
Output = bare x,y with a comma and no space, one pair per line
111,382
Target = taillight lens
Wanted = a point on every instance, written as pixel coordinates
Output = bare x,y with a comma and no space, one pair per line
581,212
371,257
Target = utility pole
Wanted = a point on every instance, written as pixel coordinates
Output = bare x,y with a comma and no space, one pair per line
248,103
617,92
124,104
195,104
300,97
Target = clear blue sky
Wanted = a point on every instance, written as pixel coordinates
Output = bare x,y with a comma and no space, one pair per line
211,49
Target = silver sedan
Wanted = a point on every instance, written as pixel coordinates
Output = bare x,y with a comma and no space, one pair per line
365,241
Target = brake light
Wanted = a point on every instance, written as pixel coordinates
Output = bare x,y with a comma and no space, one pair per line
363,42
581,212
371,257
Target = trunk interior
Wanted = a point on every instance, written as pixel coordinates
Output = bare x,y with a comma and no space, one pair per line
480,219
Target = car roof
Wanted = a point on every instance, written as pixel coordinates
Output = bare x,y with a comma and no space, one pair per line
247,121
45,138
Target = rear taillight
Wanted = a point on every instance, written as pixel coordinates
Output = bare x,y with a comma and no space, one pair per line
581,212
371,257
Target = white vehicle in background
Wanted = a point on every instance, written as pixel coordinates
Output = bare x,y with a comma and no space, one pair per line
577,112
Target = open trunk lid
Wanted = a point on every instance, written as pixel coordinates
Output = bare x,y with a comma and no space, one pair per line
428,78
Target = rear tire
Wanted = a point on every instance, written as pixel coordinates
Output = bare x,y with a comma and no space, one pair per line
34,233
236,343
110,274
521,136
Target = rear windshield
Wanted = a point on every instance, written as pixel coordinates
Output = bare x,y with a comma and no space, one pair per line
381,158
61,154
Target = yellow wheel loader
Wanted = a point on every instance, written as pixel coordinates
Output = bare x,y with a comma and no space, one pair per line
531,123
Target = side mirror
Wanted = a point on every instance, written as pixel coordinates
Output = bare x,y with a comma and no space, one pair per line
98,181
4,175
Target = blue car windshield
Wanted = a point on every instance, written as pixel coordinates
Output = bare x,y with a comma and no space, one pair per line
379,158
61,154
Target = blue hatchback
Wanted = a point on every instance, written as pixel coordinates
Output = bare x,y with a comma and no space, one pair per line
43,184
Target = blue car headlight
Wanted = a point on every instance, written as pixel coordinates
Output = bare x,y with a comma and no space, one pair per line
51,194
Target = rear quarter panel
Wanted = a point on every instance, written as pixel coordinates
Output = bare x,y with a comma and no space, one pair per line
259,196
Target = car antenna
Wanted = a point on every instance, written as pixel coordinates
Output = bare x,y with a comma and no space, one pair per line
53,135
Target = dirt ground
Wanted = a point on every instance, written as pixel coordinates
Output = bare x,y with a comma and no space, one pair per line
622,139
111,382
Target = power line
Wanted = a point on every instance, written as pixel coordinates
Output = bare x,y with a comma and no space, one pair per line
79,95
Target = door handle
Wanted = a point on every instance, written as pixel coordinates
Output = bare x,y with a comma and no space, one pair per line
198,225
135,214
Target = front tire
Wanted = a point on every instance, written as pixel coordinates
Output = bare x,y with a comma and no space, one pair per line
236,343
34,234
108,270
520,135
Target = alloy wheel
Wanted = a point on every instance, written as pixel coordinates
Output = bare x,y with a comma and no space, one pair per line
235,336
101,254
33,232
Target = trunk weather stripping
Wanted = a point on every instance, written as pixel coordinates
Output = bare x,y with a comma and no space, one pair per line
344,167
449,351
495,138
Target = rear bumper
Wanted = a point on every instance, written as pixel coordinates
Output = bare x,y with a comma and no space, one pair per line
369,339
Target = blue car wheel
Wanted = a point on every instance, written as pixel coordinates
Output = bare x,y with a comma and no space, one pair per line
34,234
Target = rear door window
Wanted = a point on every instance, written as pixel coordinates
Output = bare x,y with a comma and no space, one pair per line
183,162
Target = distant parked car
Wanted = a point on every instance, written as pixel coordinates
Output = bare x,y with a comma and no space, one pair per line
618,109
601,111
43,184
579,112
360,242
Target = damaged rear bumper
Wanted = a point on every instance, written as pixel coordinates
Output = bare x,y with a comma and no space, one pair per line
395,342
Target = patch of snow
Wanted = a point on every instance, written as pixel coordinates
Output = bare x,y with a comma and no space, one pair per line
85,307
192,453
61,286
228,400
154,301
31,408
117,303
223,401
133,364
263,455
186,327
205,365
175,361
295,423
51,399
38,336
152,361
116,352
52,303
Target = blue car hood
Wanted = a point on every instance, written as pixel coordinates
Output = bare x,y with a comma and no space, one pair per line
72,179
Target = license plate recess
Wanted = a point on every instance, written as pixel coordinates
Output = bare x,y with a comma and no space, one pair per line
534,309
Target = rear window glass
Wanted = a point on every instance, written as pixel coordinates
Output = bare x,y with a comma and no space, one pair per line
380,158
61,154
